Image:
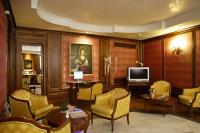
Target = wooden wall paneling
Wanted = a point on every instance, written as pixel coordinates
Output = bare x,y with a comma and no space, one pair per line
54,63
178,68
193,58
11,61
103,52
197,59
31,34
124,55
34,38
153,58
66,42
18,75
57,92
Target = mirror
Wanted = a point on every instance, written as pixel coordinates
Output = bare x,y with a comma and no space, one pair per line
32,68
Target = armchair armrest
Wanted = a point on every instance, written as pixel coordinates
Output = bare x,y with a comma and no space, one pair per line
196,102
103,98
122,106
38,99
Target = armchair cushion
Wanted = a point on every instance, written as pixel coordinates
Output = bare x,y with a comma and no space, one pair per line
185,99
105,109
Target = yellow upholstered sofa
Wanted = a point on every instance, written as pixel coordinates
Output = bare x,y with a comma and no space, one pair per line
23,125
161,88
25,104
191,98
90,92
112,105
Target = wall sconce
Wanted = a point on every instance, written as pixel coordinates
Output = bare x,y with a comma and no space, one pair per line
176,51
177,45
138,63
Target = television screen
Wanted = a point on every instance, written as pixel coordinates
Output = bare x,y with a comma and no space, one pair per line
138,74
78,75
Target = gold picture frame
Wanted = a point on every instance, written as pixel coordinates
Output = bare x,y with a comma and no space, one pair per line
81,58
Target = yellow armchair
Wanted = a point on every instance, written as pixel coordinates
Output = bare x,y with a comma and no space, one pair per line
24,125
91,92
21,125
161,88
112,105
191,98
25,104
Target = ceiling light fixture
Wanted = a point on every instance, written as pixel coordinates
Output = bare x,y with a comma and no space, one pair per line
176,5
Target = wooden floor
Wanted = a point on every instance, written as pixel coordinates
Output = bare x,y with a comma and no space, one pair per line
137,104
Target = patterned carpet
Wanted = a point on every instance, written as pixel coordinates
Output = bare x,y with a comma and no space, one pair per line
146,123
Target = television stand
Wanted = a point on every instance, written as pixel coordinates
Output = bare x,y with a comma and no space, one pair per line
134,84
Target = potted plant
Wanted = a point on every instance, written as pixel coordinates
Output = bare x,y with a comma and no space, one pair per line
63,106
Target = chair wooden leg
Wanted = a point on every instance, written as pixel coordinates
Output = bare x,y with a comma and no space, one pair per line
91,117
112,124
127,118
191,110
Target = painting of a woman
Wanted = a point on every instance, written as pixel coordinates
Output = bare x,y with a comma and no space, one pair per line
81,58
81,61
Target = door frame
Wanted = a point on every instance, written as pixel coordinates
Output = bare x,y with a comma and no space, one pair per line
19,62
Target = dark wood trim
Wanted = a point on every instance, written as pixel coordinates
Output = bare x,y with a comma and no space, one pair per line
194,58
190,29
11,18
19,44
125,45
80,34
163,58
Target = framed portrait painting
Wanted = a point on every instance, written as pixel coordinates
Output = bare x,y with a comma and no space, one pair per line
28,64
81,58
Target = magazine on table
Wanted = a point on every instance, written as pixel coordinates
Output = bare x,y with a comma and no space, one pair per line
77,113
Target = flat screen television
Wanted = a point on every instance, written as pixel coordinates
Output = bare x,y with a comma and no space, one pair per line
78,75
138,74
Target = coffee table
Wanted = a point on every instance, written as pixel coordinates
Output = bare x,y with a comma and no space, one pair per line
157,100
55,118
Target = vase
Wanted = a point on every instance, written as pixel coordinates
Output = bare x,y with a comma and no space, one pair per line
152,95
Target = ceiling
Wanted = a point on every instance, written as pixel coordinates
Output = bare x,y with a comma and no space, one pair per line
135,19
